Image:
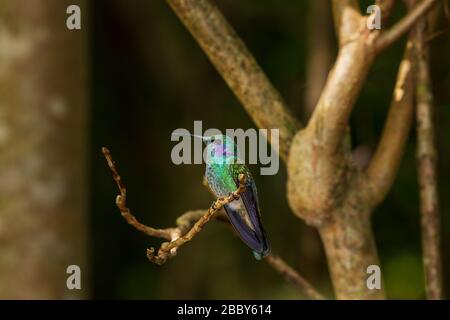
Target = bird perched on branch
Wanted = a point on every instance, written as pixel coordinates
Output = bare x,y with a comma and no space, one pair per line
223,168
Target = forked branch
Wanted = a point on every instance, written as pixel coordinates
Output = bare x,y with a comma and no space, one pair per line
177,239
169,248
404,25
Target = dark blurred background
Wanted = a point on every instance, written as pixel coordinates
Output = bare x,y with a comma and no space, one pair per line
148,77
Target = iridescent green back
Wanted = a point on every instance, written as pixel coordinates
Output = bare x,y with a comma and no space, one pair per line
222,178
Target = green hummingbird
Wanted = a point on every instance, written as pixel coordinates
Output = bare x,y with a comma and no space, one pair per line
223,168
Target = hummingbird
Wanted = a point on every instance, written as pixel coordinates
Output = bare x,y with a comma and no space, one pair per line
223,168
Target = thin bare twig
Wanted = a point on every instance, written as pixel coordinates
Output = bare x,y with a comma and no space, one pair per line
191,223
121,204
293,276
167,248
185,222
173,234
405,24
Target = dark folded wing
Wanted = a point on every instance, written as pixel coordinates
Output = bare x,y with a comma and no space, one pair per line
245,232
250,230
251,204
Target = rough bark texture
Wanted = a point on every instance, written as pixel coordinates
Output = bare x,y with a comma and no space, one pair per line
350,249
42,149
427,167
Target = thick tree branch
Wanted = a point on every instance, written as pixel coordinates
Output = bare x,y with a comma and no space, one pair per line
347,19
427,172
405,24
386,160
329,122
190,224
238,67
